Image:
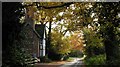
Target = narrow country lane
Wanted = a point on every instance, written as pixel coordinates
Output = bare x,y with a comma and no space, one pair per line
78,62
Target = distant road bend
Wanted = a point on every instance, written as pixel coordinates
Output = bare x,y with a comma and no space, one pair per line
78,62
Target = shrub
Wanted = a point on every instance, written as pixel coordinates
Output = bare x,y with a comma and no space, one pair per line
96,60
45,59
70,59
66,57
76,53
54,56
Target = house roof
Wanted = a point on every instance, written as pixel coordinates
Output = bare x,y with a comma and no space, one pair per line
36,33
26,24
40,30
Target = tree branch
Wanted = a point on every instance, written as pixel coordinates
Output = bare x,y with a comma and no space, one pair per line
51,7
58,6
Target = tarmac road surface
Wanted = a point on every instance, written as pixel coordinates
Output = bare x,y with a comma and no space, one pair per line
78,62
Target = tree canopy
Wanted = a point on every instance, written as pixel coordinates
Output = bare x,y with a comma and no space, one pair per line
66,22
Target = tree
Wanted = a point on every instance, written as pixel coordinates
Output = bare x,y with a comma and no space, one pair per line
109,25
93,41
11,52
77,41
60,44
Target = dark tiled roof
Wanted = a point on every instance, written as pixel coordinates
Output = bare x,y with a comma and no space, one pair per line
40,29
26,24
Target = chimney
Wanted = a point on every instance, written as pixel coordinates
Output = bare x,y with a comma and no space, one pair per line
29,20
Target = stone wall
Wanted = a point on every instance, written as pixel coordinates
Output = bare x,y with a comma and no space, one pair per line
31,41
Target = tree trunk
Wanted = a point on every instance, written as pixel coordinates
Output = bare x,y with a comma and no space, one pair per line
112,53
48,39
112,48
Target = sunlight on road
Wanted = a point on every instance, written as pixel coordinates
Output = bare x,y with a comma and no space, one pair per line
83,57
75,63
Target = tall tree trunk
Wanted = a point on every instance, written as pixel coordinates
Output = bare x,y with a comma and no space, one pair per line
112,48
112,53
48,39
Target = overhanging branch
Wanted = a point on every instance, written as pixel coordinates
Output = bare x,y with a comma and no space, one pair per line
58,6
51,7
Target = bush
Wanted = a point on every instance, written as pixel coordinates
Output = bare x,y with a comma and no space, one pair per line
45,59
76,53
70,59
65,57
96,60
54,56
113,62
